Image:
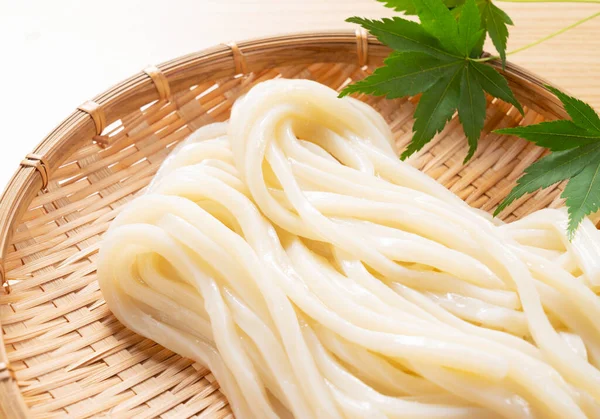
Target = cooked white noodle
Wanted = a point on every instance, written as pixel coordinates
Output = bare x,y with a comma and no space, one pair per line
318,276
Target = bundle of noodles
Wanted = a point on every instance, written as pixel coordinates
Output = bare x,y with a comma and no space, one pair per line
318,276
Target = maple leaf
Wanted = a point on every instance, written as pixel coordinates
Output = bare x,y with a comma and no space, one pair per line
435,58
494,21
575,146
407,6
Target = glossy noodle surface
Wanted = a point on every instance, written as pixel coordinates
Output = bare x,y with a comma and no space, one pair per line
318,276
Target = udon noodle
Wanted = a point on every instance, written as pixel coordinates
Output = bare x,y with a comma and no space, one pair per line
318,276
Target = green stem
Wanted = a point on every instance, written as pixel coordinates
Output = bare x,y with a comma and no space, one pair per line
552,35
485,59
539,41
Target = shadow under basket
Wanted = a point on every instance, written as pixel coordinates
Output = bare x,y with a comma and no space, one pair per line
62,352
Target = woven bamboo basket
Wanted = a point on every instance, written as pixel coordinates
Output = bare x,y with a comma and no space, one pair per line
61,351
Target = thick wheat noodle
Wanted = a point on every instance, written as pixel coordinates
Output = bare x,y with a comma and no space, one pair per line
316,275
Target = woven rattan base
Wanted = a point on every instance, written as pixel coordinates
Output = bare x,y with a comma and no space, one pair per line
68,353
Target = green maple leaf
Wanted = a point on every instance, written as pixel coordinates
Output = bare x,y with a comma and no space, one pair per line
582,194
575,157
434,58
403,74
493,83
408,7
405,6
470,30
494,21
471,109
439,22
436,107
580,112
404,36
555,135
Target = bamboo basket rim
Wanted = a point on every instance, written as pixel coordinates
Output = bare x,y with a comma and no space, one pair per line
157,83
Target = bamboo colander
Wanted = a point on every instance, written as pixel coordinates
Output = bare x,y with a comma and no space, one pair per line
61,351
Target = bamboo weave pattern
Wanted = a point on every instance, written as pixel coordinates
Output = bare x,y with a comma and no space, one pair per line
70,355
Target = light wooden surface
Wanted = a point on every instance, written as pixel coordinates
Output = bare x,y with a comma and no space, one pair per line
57,54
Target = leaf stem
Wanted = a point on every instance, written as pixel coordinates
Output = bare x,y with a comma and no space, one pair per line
552,35
539,41
485,59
